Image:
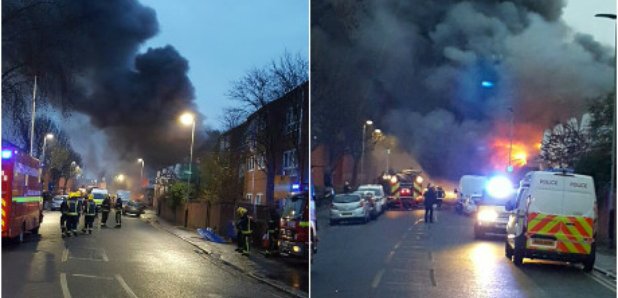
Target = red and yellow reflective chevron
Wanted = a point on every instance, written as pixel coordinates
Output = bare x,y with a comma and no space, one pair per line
574,234
395,188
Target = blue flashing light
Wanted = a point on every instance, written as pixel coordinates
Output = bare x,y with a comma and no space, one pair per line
509,169
487,84
499,187
295,187
6,154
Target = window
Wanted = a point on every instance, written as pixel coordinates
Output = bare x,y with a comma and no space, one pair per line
291,120
250,163
258,199
289,159
261,162
249,197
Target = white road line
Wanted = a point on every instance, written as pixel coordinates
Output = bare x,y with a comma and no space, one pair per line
65,255
125,286
105,258
397,245
377,278
93,276
64,285
390,256
419,221
603,282
88,259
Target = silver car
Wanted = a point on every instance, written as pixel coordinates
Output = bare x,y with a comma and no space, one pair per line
56,202
349,207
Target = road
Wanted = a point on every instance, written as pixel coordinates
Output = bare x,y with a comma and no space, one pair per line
137,260
398,255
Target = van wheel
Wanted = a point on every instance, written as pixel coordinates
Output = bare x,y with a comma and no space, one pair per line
518,252
508,251
589,262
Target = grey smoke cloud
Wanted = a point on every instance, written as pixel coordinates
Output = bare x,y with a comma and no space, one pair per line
420,65
133,98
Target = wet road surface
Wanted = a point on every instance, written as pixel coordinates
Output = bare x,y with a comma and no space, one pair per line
398,255
134,261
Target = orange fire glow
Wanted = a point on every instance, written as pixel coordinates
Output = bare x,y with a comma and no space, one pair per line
525,146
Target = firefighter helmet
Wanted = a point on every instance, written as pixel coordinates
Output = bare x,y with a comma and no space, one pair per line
241,211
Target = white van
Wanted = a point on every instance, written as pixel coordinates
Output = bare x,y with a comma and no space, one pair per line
471,190
553,217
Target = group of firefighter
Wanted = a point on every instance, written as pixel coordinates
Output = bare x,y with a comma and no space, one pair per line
79,204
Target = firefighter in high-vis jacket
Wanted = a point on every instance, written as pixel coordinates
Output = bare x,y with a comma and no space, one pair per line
243,227
106,207
74,207
64,208
90,211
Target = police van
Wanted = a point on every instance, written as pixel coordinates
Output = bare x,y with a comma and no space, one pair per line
553,217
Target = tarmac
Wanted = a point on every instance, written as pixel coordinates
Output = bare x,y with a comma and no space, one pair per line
288,278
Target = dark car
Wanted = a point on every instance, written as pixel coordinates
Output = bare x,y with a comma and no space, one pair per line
134,207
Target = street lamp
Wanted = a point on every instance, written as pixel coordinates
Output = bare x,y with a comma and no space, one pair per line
47,136
612,195
120,178
141,173
510,167
189,119
367,123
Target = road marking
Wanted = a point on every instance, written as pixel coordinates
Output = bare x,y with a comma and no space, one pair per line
104,255
397,245
418,221
432,277
410,229
377,278
606,283
65,255
390,256
93,276
87,259
64,285
125,286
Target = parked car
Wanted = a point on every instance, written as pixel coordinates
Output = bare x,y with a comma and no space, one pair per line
378,196
349,207
370,201
57,201
133,207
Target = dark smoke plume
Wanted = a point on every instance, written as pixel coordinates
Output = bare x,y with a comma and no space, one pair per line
85,54
417,67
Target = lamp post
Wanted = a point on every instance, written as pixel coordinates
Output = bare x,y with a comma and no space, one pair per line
510,167
367,123
47,136
189,119
141,173
612,192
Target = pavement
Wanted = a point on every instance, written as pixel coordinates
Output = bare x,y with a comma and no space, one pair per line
398,255
289,276
605,262
137,260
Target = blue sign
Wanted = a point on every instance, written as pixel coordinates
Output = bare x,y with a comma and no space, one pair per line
295,187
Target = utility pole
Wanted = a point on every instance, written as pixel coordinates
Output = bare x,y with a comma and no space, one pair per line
33,117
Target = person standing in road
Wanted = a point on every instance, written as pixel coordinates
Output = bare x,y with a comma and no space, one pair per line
429,199
106,207
73,213
64,209
118,207
90,211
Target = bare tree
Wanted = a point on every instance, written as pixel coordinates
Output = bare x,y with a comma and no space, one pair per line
565,144
254,91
